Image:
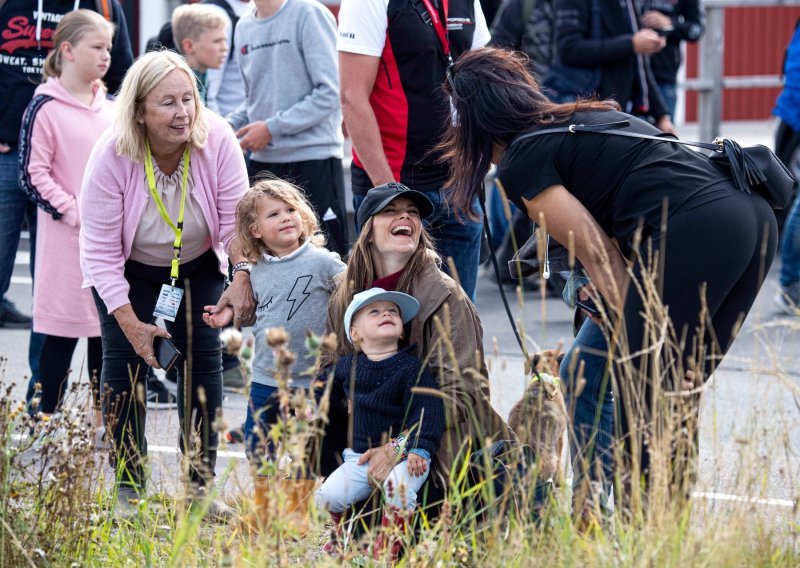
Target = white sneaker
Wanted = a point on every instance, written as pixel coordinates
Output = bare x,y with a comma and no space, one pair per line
785,304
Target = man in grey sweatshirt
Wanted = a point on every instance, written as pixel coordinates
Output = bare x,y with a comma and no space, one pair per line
291,118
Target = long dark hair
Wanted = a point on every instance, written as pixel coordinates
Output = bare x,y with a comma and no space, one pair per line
495,99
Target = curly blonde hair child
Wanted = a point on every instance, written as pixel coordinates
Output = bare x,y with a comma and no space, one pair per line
247,216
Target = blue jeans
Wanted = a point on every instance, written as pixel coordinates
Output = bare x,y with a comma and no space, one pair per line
454,239
669,92
790,253
498,223
262,407
15,207
593,419
350,484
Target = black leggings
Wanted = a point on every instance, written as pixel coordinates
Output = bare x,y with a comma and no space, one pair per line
721,250
122,367
54,369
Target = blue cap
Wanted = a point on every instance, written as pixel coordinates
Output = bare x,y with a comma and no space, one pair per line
409,306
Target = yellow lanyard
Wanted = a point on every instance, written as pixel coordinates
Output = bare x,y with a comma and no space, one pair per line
176,227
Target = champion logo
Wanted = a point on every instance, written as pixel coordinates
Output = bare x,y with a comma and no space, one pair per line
329,215
247,48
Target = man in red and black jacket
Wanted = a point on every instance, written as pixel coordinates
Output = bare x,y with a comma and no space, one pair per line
26,36
393,55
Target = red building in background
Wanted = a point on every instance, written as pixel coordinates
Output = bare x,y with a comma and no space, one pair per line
755,41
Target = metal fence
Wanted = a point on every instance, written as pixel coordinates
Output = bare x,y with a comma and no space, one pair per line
711,80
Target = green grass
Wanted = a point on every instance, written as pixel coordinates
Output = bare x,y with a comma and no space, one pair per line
61,515
57,510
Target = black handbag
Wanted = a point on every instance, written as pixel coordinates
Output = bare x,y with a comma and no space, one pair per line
752,168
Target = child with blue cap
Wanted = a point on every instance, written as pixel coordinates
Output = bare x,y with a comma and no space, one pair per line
380,382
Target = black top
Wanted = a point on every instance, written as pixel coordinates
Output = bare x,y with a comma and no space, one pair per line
22,56
527,26
688,22
408,98
618,180
612,53
383,404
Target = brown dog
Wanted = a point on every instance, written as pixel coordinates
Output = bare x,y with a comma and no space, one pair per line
540,417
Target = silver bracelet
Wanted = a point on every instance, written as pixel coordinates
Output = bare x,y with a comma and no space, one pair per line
241,266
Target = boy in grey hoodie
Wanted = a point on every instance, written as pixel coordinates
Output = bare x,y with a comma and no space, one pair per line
291,118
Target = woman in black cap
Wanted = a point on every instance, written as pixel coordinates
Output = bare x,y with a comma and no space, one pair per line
394,252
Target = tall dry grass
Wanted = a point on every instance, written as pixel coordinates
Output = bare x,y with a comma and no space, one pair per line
57,504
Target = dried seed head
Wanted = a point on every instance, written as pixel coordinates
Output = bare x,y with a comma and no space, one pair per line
219,424
277,336
284,357
313,341
329,343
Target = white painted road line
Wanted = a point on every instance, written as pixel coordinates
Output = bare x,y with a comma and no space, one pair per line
17,438
23,258
172,450
741,499
786,503
21,280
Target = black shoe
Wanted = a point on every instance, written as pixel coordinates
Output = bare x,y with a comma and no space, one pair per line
10,317
235,435
158,396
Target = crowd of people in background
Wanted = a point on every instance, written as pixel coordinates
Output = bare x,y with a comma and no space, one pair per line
218,156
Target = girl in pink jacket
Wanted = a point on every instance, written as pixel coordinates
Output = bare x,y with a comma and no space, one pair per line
61,124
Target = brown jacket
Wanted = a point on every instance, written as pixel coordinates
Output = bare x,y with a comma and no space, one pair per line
449,338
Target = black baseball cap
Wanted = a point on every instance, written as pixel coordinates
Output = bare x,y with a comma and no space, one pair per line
379,197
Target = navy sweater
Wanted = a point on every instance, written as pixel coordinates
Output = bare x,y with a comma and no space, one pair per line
383,404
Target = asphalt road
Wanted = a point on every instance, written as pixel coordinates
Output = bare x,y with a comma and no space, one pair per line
750,419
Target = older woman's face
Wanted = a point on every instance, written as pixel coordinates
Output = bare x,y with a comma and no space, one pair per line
168,111
396,228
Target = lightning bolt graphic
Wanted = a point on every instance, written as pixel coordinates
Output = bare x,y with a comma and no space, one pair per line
293,297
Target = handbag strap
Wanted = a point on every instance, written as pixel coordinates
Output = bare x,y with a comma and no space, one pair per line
613,129
496,266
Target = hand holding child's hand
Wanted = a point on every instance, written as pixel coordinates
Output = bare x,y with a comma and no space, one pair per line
217,318
417,465
254,136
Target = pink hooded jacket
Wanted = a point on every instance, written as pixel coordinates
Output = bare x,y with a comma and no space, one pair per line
114,196
56,138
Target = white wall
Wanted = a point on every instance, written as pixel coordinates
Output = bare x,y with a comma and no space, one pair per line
152,15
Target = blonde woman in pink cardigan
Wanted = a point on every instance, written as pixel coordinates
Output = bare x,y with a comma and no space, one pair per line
66,116
162,184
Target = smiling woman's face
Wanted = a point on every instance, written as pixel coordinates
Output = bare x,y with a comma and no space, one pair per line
168,112
396,228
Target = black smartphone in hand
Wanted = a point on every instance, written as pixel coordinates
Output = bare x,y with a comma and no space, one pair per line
165,352
588,306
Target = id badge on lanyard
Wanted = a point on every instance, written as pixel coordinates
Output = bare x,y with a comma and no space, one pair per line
170,297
